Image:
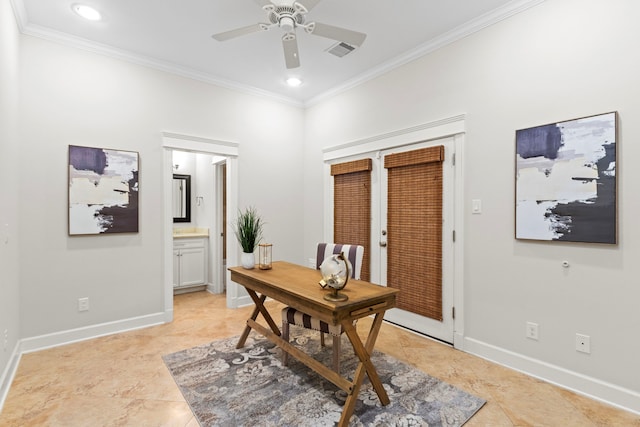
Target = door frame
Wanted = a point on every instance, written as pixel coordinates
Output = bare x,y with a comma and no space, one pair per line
173,141
449,127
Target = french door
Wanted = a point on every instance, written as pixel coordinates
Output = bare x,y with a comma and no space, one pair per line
412,223
415,241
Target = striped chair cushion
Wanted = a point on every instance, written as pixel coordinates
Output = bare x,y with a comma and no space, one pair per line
299,318
353,252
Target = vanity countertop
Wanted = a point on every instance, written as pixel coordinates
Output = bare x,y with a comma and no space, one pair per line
190,232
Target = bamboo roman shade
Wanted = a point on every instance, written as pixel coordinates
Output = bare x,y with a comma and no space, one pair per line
414,229
352,207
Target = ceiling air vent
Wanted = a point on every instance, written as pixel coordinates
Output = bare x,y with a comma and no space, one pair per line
341,49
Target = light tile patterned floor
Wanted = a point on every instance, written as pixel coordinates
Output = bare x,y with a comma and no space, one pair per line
121,380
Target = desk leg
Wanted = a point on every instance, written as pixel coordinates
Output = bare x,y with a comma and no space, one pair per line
363,352
259,308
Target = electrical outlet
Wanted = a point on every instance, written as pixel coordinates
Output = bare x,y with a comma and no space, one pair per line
532,330
6,339
83,304
583,343
311,262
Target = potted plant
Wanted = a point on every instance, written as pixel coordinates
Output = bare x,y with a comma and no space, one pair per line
248,231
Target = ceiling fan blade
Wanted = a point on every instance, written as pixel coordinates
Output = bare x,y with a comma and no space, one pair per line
290,46
308,4
353,38
240,32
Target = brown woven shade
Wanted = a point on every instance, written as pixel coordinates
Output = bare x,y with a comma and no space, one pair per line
352,207
414,229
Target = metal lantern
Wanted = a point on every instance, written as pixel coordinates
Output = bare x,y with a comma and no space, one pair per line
264,256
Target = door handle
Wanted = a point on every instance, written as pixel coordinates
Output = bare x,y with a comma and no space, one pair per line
383,244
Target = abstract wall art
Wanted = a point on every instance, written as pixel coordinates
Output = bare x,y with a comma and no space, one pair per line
566,181
103,191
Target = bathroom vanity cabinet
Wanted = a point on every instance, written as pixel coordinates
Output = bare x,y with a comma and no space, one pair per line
189,264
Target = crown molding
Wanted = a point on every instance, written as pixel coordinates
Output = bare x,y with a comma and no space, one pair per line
34,30
20,13
466,29
510,9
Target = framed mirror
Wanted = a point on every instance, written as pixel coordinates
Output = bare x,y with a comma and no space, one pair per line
181,198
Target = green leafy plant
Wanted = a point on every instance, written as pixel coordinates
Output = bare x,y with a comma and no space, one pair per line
248,229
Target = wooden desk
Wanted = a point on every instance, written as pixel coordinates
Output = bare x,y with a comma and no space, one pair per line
297,286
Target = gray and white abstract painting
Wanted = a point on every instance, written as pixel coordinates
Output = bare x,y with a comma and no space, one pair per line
566,181
103,191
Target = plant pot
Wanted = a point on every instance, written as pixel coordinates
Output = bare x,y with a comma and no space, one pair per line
248,260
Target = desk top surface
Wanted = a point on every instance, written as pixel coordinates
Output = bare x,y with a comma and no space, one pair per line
288,282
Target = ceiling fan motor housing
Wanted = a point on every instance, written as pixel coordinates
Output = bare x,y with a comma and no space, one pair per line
286,17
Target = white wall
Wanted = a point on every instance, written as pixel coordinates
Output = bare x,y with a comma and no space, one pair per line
75,97
560,60
205,181
9,177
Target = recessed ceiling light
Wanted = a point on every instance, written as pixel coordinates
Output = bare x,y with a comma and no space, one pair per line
294,81
87,12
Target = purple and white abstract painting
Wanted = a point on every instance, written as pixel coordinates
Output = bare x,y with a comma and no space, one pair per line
103,191
566,181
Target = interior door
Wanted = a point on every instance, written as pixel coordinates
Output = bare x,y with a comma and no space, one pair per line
438,324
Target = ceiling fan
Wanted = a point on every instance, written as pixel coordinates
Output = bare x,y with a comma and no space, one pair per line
289,15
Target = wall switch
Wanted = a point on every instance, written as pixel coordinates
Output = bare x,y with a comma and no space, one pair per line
476,206
583,343
6,339
83,304
532,331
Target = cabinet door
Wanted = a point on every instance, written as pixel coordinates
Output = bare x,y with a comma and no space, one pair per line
192,266
176,268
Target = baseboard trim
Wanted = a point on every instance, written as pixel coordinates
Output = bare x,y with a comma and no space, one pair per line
8,374
214,289
42,342
458,341
593,388
242,301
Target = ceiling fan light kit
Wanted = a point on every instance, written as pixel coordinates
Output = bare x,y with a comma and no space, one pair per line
289,15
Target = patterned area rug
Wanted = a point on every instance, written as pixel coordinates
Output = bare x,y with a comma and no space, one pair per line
250,387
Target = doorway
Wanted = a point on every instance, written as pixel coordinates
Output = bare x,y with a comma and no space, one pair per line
199,255
228,150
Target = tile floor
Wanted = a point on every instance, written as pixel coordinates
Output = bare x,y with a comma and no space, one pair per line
121,380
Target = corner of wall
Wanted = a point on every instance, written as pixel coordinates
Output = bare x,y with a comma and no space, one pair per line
8,374
593,388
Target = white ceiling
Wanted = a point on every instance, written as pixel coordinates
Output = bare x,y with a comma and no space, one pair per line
175,35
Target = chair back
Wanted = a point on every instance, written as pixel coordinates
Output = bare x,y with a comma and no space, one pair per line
354,254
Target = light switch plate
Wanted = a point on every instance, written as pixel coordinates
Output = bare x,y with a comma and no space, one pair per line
476,206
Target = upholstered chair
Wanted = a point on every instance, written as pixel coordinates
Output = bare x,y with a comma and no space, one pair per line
291,316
